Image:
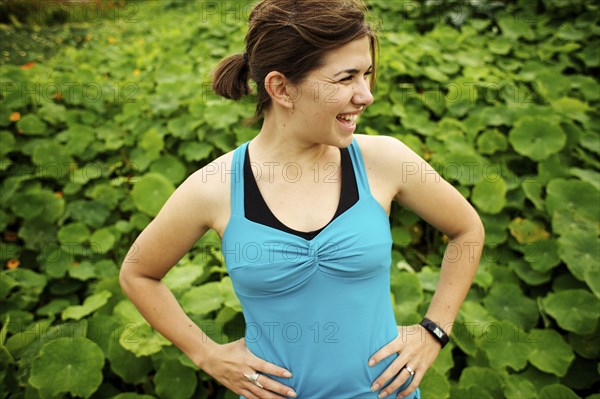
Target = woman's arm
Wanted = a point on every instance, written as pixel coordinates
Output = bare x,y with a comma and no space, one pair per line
184,218
418,187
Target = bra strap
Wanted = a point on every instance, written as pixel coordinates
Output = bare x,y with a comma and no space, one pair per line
237,180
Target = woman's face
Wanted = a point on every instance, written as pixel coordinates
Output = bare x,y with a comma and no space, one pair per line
334,93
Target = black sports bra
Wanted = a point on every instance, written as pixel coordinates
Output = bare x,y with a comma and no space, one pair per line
256,208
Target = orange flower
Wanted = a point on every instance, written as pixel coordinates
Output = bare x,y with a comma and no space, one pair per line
29,65
12,263
74,264
15,116
58,194
58,96
136,72
112,40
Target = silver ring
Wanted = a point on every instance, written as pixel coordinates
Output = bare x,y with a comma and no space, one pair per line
411,371
254,379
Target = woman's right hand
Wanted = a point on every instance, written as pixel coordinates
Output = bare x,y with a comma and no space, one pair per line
228,363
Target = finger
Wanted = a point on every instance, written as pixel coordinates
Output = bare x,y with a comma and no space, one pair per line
414,384
263,393
268,368
403,378
384,352
392,370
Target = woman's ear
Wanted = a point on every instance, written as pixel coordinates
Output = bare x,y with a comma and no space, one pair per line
279,89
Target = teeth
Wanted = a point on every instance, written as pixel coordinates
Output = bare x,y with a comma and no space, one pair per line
351,118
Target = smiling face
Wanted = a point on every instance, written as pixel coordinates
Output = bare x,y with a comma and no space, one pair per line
327,103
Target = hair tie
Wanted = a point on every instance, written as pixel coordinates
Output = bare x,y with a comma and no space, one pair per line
246,58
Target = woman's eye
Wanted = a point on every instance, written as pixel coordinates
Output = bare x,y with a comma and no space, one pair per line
347,78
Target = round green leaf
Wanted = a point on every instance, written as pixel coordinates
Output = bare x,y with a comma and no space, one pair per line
43,204
527,231
52,159
542,255
203,299
574,310
434,385
507,302
536,138
517,387
73,233
91,304
506,345
142,340
92,213
580,251
7,142
171,167
573,204
490,195
551,353
82,270
491,141
129,367
175,381
102,240
483,382
151,192
67,365
558,391
30,124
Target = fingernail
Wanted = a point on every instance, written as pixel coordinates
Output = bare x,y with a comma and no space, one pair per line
371,362
291,393
374,387
383,394
287,374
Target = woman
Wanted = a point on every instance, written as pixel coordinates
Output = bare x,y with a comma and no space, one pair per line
314,288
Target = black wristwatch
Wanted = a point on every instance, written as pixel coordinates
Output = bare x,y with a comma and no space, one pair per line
435,330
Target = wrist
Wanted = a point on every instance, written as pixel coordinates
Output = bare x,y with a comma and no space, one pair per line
435,331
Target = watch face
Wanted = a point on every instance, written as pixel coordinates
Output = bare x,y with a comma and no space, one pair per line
438,332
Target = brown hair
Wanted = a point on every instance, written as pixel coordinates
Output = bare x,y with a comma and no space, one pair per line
291,37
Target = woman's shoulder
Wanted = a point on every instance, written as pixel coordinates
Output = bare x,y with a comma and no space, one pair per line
382,151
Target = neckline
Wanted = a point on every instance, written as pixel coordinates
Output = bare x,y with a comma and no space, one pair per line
306,235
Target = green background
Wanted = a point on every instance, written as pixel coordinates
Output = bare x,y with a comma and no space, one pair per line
102,118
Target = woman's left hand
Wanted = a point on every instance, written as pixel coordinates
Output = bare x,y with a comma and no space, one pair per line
417,350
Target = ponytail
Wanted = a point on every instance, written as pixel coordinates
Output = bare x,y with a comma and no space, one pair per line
230,78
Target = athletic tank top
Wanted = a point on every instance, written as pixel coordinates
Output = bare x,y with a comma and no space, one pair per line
319,307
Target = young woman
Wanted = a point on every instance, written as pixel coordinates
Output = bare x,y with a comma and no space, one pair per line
303,213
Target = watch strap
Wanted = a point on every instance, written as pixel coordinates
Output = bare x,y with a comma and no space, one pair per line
436,331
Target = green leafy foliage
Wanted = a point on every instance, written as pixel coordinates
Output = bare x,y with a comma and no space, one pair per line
501,98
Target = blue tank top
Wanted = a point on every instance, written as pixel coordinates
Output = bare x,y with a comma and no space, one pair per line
318,307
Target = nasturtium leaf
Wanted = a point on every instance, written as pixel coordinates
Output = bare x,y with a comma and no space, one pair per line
465,167
573,204
542,255
574,310
551,353
506,345
151,192
473,377
182,277
580,251
527,231
175,381
90,304
129,367
434,385
495,228
142,340
52,113
67,365
407,293
230,298
203,299
55,262
533,192
536,138
30,124
42,204
152,143
53,307
102,240
572,108
195,151
518,387
507,302
92,213
587,175
491,141
82,270
107,194
489,195
558,391
73,233
130,395
7,142
170,167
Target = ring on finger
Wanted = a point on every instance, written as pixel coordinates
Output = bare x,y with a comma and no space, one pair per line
411,371
254,379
